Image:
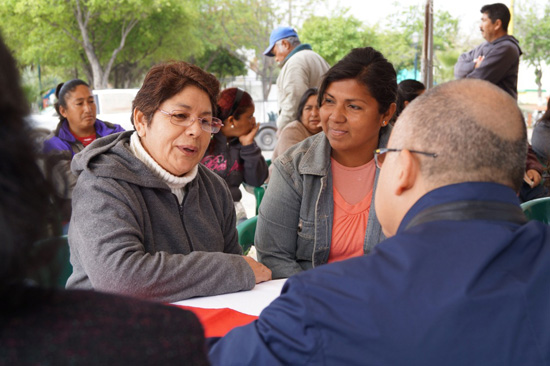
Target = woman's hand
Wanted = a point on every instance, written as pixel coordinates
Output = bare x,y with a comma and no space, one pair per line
261,272
248,138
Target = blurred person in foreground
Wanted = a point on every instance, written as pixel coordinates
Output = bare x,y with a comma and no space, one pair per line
77,128
44,325
462,278
318,207
307,123
301,68
232,153
149,220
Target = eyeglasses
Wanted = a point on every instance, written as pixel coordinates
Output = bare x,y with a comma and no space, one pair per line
184,119
380,155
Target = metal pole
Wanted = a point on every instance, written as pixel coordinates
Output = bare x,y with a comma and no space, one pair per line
427,47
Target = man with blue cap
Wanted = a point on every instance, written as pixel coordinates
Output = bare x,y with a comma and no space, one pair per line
301,69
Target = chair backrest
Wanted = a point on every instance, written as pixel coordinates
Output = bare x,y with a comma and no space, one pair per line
64,263
247,230
537,209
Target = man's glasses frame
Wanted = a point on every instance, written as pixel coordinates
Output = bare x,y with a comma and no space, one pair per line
182,118
379,155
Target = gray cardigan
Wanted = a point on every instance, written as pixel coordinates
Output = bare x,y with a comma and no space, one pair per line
294,229
129,235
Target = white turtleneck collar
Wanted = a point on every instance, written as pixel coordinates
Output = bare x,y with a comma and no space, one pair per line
176,184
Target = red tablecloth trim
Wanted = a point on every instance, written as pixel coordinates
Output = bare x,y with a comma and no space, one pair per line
217,322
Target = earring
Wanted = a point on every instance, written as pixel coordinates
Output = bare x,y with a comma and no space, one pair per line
384,123
232,125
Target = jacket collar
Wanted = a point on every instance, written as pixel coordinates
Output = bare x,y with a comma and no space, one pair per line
300,47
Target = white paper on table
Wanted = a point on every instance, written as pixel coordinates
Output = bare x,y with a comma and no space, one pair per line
249,302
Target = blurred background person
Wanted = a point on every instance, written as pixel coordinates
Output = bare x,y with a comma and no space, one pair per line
540,140
308,123
77,128
301,68
318,205
149,220
232,153
43,325
407,91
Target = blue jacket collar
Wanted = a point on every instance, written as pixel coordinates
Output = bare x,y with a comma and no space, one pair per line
470,191
100,129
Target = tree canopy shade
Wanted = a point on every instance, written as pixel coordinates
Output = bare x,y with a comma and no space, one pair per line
334,37
533,31
96,33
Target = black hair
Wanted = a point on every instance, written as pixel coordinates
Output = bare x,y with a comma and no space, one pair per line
26,211
407,91
370,68
308,93
497,11
62,92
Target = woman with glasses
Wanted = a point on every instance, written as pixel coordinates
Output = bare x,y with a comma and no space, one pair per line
232,153
319,205
148,220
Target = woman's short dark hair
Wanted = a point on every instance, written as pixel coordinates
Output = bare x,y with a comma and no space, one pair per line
63,91
368,67
164,81
303,101
228,105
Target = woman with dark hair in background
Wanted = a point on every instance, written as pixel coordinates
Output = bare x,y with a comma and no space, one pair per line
149,220
407,91
318,205
43,325
233,154
76,129
308,123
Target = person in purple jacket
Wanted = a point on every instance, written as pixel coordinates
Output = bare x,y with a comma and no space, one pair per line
77,128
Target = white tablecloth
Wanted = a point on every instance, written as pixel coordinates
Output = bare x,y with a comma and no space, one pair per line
249,302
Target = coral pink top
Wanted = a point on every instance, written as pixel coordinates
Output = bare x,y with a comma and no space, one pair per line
352,190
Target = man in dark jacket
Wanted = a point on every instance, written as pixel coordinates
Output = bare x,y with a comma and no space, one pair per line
496,60
462,278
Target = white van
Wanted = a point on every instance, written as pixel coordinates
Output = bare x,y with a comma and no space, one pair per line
113,105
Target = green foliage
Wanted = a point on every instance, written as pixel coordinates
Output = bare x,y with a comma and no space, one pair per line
335,37
532,26
221,63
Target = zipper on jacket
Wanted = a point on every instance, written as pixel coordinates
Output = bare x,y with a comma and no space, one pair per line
180,207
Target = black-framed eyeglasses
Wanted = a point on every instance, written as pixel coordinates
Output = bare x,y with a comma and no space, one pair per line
184,119
380,155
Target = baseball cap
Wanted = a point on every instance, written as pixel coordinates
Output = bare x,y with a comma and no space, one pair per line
278,34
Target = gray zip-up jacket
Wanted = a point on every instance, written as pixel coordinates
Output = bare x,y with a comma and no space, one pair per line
129,235
294,227
500,65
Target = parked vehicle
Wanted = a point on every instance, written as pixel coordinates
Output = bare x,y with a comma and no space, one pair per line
266,138
113,105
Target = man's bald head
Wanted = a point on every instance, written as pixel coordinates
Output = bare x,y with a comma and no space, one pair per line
476,129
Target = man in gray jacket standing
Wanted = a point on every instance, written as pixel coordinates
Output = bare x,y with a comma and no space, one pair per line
496,60
301,69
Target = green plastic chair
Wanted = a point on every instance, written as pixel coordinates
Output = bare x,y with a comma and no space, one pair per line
247,230
537,209
258,191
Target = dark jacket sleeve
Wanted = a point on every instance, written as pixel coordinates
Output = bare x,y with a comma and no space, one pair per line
255,167
284,334
532,162
496,63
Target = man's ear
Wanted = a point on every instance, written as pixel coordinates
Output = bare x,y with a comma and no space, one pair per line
140,122
498,24
408,172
